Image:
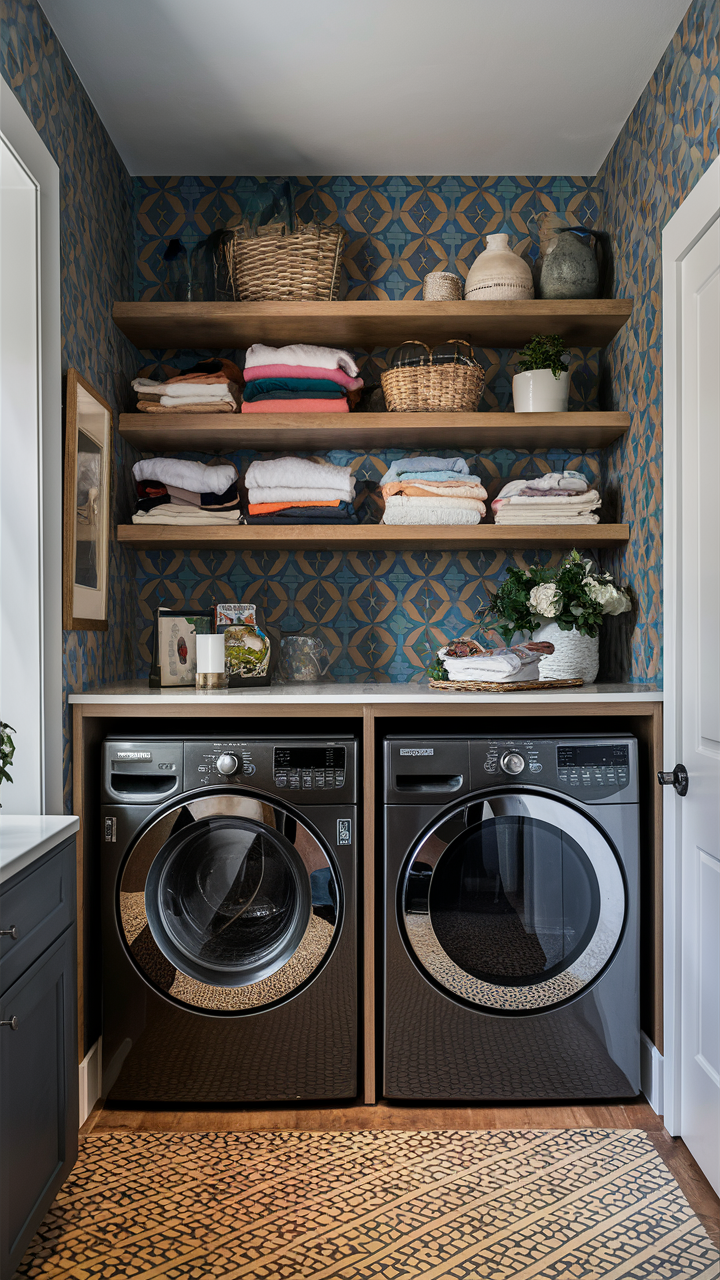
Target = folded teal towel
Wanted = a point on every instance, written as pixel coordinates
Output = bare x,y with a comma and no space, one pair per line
287,388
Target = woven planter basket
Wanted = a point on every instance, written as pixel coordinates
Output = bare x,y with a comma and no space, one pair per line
298,266
434,388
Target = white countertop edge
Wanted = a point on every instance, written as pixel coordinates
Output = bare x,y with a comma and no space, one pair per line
25,839
137,694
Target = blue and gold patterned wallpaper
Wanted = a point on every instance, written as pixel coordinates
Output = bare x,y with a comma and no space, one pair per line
379,614
666,144
96,246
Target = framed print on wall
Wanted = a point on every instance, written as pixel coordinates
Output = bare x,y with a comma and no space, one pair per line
86,512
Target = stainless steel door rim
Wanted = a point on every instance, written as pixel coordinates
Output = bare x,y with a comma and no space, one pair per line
203,926
598,947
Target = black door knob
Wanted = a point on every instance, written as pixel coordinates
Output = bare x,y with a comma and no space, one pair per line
679,779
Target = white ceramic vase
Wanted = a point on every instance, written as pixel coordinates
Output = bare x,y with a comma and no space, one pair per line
539,391
575,656
498,273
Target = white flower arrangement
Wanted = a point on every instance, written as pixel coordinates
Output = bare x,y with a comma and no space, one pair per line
546,600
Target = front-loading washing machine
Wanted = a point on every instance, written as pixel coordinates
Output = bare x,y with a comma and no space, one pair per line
511,918
229,871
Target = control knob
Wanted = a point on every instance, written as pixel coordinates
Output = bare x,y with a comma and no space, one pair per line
512,762
227,764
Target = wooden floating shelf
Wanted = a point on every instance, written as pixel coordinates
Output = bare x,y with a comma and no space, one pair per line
371,537
211,325
275,432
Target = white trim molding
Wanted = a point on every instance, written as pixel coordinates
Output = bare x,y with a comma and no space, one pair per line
696,214
651,1073
90,1080
29,148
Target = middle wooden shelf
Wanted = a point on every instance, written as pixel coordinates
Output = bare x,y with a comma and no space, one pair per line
370,537
279,432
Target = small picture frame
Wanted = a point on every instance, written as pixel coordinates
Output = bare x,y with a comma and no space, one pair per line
174,661
86,511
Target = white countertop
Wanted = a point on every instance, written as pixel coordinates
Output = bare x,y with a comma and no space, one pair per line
329,693
22,840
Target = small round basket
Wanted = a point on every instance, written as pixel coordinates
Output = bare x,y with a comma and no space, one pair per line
283,266
455,386
442,286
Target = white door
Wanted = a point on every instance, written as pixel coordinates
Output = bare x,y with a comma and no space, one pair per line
699,721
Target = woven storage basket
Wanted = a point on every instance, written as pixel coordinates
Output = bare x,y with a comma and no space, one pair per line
302,265
434,388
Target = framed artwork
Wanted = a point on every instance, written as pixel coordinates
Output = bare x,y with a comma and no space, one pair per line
86,514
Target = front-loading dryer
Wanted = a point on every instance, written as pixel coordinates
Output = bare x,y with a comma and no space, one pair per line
511,918
229,871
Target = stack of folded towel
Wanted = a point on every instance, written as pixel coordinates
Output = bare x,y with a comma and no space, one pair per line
172,491
432,491
558,497
467,660
299,379
299,491
212,386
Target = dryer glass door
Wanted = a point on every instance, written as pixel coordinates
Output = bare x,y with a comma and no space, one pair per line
514,903
228,904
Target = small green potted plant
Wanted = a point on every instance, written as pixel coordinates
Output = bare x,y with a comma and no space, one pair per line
7,751
564,605
542,382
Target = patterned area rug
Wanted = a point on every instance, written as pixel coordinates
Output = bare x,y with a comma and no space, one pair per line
540,1204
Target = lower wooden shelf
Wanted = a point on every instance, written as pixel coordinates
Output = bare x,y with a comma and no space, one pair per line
372,537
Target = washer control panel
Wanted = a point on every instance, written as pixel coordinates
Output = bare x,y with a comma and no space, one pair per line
309,768
602,768
322,771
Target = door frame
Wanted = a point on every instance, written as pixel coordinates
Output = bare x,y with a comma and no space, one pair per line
697,213
23,139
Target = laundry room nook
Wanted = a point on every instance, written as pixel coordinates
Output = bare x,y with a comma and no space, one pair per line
359,700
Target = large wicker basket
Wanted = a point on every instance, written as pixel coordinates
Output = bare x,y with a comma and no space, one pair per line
455,387
283,266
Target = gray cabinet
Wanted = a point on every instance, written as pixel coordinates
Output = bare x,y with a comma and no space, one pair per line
38,1046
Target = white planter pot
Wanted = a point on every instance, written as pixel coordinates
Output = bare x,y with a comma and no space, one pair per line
539,391
575,656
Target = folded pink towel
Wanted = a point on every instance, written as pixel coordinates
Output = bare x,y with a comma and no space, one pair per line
303,371
295,406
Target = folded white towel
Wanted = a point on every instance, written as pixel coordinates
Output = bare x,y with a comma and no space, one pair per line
531,517
278,493
199,390
407,511
197,476
466,669
169,513
146,384
399,502
297,473
559,502
179,402
299,353
550,480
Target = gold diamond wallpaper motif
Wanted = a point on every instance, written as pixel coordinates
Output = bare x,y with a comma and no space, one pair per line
400,1205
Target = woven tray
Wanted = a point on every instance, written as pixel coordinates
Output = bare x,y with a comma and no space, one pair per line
496,686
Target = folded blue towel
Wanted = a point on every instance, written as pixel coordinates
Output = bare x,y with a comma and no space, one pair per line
426,468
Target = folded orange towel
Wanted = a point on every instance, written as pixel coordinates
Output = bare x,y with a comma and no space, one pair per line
295,406
267,508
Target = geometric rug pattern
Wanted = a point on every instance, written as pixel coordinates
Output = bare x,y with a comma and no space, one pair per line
591,1204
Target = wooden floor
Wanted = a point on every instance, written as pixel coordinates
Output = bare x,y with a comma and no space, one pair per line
384,1115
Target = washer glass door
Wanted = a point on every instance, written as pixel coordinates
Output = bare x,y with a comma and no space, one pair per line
228,904
515,903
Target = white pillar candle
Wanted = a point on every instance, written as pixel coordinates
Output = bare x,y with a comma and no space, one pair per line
210,654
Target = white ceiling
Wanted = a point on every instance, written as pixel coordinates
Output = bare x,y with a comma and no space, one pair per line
364,86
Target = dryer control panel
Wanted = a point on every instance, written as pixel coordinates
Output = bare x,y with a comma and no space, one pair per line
320,770
590,769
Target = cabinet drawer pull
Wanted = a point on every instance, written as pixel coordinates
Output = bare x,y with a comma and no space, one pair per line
8,933
12,1023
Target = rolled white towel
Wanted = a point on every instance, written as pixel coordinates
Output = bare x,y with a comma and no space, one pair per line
197,476
302,355
296,473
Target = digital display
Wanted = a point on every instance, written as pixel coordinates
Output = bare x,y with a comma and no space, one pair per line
309,758
612,754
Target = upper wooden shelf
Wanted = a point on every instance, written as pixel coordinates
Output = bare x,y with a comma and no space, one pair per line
272,432
178,325
371,537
